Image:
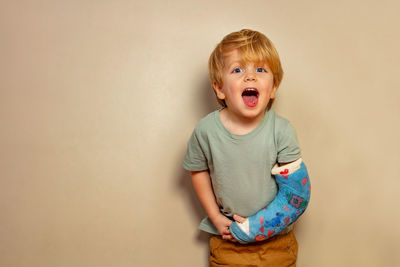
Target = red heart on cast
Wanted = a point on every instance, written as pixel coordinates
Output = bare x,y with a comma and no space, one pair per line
270,233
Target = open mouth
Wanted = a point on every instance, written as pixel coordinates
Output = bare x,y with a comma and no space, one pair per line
250,97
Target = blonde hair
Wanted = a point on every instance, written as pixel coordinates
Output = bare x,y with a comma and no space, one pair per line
253,46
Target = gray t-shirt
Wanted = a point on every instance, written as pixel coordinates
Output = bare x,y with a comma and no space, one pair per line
240,165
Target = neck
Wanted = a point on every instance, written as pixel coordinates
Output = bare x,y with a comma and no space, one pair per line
239,125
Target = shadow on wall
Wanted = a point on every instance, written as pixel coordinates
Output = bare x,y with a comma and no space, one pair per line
203,102
193,203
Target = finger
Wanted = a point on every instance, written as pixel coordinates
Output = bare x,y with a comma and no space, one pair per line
226,237
238,218
226,231
232,239
228,222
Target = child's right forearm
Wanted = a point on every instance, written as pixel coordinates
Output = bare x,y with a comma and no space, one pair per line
202,185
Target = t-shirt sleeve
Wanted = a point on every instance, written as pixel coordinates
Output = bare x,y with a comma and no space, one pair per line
195,159
287,145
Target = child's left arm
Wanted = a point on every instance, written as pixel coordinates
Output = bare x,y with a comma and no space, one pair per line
290,202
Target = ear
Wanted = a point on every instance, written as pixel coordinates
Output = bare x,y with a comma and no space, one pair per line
272,96
218,91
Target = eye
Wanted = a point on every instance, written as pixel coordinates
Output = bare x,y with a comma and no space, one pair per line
237,70
260,70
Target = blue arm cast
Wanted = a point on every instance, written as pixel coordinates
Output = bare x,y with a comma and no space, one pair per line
290,202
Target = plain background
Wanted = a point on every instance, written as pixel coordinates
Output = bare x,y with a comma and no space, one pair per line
99,98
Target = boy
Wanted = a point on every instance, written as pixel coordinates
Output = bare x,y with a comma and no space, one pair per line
231,154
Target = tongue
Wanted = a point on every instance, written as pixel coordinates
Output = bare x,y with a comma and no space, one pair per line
250,101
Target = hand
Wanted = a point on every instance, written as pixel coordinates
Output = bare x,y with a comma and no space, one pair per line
222,224
239,219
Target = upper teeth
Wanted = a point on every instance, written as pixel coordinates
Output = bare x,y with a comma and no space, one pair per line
250,89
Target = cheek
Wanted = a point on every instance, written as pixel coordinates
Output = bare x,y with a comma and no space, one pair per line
268,88
269,85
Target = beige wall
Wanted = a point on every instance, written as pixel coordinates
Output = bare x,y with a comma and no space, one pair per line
98,100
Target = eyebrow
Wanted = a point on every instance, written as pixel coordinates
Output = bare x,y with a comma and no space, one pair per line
232,64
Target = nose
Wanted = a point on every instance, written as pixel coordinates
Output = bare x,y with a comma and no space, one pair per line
249,76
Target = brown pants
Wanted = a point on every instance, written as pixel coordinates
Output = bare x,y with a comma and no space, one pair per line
279,251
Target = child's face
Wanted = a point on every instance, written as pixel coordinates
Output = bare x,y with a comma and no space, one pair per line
246,89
